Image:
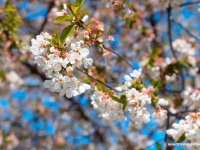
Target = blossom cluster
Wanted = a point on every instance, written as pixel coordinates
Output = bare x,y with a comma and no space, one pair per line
137,98
161,64
186,49
135,102
182,46
59,64
94,33
189,127
108,108
190,94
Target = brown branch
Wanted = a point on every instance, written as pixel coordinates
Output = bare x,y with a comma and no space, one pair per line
169,9
110,50
51,4
97,80
189,3
167,127
186,30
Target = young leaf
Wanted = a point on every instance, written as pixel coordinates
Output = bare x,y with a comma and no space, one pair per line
73,8
66,32
55,38
79,3
2,75
156,83
158,146
121,100
181,139
63,19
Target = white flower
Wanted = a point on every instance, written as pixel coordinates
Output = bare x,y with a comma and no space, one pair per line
191,95
65,7
136,73
59,14
59,80
84,52
52,49
163,102
182,46
100,40
65,62
39,45
141,116
108,108
62,12
87,62
59,66
40,60
188,126
160,115
85,18
74,58
83,87
128,81
14,79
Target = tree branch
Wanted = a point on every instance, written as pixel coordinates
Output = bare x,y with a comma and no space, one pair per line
186,30
97,80
189,3
169,9
110,50
51,4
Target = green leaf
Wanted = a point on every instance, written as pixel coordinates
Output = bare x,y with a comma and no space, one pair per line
55,39
79,3
63,19
66,32
158,146
100,87
155,52
155,83
9,8
2,75
123,97
181,139
121,100
156,91
73,8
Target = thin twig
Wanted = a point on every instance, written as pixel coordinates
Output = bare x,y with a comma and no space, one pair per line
186,30
169,9
169,30
93,78
51,4
189,3
110,50
167,127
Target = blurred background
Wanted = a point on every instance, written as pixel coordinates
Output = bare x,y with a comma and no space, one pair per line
32,117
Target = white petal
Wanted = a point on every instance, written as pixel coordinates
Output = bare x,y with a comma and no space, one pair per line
84,52
86,86
59,14
65,7
68,93
84,18
127,78
73,46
